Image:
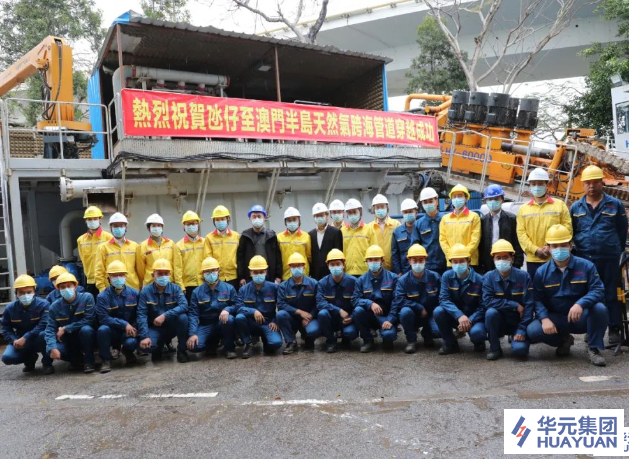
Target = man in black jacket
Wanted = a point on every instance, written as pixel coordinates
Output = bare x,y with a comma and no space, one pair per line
504,223
322,239
258,240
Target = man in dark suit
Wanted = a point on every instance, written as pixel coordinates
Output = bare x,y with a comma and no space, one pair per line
323,239
505,224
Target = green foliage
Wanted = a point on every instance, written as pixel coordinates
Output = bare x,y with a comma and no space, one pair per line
166,10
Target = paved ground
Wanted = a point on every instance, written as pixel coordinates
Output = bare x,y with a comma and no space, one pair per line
305,405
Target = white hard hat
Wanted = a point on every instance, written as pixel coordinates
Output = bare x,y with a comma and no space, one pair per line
408,204
155,218
379,199
428,193
291,212
539,174
319,208
337,204
353,204
118,218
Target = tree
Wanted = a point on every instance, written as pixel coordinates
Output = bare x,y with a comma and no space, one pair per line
436,69
166,10
593,109
524,36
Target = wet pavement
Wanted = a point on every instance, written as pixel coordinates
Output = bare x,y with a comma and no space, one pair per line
384,404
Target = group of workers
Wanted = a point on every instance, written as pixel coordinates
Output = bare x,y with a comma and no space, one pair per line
438,274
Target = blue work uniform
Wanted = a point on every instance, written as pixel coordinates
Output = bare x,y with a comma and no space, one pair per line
54,294
426,234
28,322
332,297
501,299
172,303
206,305
251,299
556,292
600,236
292,296
413,296
377,289
114,312
400,242
460,297
79,319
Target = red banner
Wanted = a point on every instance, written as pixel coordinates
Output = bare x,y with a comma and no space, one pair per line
151,113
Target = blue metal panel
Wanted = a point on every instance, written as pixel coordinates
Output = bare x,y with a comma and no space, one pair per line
385,89
96,114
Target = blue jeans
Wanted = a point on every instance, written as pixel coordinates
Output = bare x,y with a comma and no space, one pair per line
107,338
504,322
291,324
446,323
593,321
28,353
330,322
411,320
172,326
78,346
211,333
247,326
367,320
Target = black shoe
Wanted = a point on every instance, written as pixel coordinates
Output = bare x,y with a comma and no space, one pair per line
447,350
211,351
366,347
346,343
410,348
429,341
613,336
76,366
564,348
247,351
309,344
230,355
88,368
182,357
268,350
290,348
330,348
105,367
157,355
49,370
494,355
28,368
130,358
480,347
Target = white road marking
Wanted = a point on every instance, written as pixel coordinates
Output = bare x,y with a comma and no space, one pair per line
74,397
112,396
312,402
595,378
191,395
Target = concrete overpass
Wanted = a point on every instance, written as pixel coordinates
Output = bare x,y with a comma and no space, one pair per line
390,30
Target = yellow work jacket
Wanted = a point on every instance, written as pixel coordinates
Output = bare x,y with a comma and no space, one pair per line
190,254
355,244
88,245
149,251
224,249
297,242
111,251
383,237
462,228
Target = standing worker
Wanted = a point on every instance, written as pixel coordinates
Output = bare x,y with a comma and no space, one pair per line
536,217
222,244
382,228
402,236
426,232
600,234
293,240
258,240
89,244
356,236
461,226
157,247
322,239
337,210
189,251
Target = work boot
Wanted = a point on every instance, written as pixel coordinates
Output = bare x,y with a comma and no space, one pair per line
596,358
480,347
613,336
247,351
564,348
429,341
76,366
367,347
182,357
105,367
290,348
410,348
447,350
267,350
88,368
494,355
29,365
49,369
230,355
346,343
309,344
330,348
130,357
157,355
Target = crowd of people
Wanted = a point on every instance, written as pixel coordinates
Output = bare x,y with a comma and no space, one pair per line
440,275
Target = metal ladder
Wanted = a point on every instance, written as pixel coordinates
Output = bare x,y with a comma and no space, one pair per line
7,273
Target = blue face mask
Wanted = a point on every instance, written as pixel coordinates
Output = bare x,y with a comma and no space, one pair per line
354,218
221,225
157,231
460,268
210,278
192,229
118,232
118,282
292,226
418,267
257,223
297,272
494,205
336,270
374,266
381,213
320,221
67,293
26,299
93,224
162,281
258,278
503,266
560,253
458,203
409,218
337,218
538,191
429,208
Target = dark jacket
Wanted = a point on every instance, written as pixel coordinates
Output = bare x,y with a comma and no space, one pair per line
507,227
332,239
246,251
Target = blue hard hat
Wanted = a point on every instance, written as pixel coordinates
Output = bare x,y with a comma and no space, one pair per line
493,191
256,208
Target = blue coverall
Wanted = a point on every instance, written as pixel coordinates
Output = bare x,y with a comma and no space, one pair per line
251,299
400,242
377,289
426,234
331,298
28,322
206,306
292,296
114,312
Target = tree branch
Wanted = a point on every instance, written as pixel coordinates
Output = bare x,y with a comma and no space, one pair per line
316,27
280,18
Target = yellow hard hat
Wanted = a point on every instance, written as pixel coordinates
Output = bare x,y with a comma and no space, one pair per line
592,173
296,258
56,271
459,251
162,264
117,267
375,251
209,263
24,281
190,216
558,234
92,212
258,262
501,246
220,211
459,189
416,250
335,254
66,277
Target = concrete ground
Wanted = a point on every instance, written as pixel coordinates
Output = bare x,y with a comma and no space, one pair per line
380,405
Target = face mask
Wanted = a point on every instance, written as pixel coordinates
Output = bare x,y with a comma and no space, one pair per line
336,270
292,226
258,278
494,206
118,232
162,281
337,218
210,278
93,224
156,231
458,203
297,272
418,267
381,213
354,218
409,218
320,221
503,266
460,268
257,223
561,253
429,208
67,293
26,299
118,282
374,266
538,191
192,229
221,225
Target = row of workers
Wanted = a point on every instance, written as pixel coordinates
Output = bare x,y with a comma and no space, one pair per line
565,297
